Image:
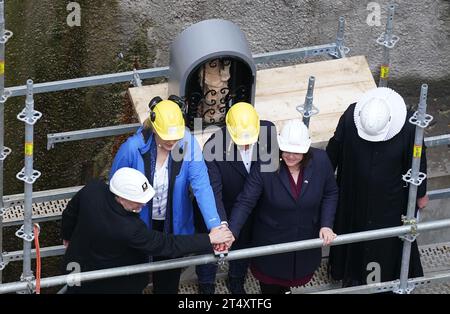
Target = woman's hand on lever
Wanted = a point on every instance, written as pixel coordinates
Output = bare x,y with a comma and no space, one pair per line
220,235
327,235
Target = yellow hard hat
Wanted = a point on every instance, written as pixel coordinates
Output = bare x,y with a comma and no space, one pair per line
243,123
167,120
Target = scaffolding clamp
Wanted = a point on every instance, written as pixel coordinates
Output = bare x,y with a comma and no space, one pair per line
31,286
137,82
387,39
421,123
7,93
28,179
6,36
26,237
388,42
3,265
411,237
6,151
414,181
308,113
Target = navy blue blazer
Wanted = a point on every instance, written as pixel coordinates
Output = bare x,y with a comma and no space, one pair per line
280,218
227,173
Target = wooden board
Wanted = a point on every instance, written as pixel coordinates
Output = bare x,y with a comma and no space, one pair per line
280,90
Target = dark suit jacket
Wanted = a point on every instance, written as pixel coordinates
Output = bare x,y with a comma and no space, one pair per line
104,235
281,218
227,172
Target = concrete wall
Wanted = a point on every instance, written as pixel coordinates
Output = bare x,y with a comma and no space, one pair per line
423,51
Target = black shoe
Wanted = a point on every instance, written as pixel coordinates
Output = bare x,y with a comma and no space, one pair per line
206,288
236,285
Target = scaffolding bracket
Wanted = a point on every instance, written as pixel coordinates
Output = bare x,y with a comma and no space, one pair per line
409,288
385,41
422,124
28,179
415,181
26,237
6,36
4,154
3,265
28,117
7,93
137,82
31,287
412,236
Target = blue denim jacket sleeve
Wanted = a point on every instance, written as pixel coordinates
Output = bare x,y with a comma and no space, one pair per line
199,181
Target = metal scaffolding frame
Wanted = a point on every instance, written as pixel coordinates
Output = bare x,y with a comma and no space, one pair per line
388,41
76,278
29,116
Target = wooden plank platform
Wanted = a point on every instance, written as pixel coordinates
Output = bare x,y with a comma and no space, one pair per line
279,91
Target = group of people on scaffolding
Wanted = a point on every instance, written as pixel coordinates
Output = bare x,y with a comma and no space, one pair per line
251,185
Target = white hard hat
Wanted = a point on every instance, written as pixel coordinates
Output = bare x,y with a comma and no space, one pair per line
132,185
380,114
294,137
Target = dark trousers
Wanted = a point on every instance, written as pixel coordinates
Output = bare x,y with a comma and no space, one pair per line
273,289
165,281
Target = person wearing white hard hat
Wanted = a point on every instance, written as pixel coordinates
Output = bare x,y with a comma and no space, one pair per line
101,229
372,148
296,202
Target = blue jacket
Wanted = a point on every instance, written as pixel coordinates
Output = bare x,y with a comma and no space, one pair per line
191,171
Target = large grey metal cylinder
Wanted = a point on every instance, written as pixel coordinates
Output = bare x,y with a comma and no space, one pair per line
204,41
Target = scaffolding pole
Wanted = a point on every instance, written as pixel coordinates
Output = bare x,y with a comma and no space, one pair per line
28,175
308,109
341,50
75,278
2,132
415,178
388,41
4,151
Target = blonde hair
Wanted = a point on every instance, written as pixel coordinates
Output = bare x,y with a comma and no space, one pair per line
148,124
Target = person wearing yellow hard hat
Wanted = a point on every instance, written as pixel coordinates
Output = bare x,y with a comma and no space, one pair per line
171,158
293,203
230,153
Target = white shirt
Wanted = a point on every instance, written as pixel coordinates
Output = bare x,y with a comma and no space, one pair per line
246,156
161,186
